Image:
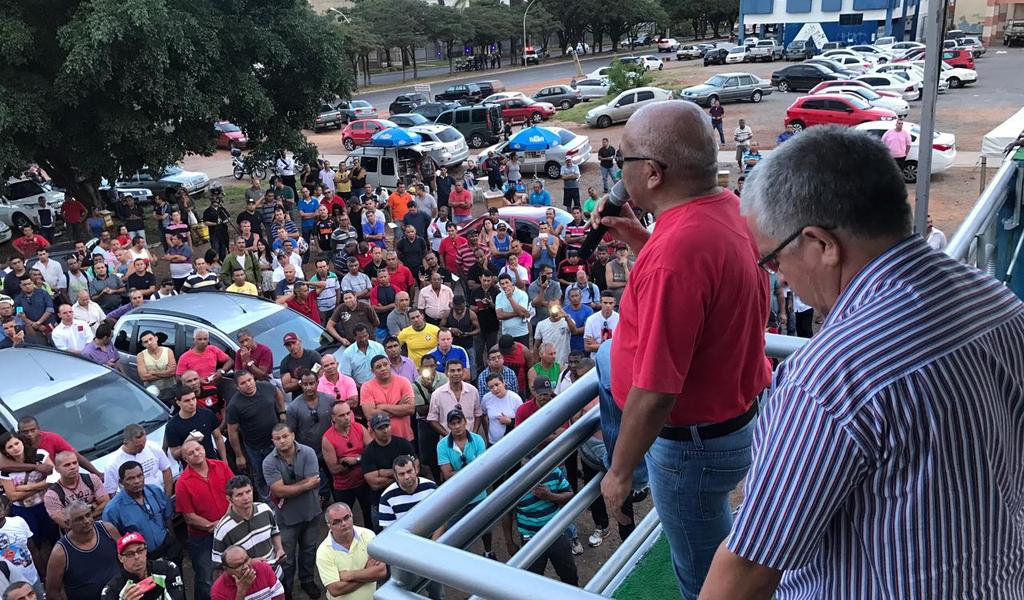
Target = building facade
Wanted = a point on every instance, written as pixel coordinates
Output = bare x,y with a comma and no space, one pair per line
850,21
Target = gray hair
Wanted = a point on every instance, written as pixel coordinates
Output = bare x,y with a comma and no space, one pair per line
73,506
334,507
832,177
695,160
133,431
200,330
17,585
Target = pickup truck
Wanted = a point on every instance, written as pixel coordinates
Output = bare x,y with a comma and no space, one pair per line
329,116
768,50
1013,33
467,93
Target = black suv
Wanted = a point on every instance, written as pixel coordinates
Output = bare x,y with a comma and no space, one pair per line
406,102
715,56
467,93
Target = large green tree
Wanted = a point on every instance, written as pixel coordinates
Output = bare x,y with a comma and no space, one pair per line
91,88
448,26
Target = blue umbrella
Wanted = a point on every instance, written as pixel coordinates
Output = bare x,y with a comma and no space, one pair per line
533,139
395,137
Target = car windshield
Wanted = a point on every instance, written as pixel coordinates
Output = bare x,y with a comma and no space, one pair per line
866,93
94,411
859,103
359,104
900,76
229,127
172,170
448,134
716,81
270,330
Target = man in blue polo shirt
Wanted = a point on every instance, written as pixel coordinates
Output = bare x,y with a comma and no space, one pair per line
145,509
454,452
446,349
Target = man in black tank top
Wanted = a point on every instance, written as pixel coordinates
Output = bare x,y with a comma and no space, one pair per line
84,560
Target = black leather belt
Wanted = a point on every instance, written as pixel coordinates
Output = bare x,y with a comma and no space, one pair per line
714,430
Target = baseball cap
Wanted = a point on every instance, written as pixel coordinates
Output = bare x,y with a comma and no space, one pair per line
251,201
455,414
542,385
5,299
290,337
379,420
502,225
129,539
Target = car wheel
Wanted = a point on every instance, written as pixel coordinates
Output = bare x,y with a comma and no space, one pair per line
920,93
660,67
238,172
349,144
910,171
536,117
553,170
784,86
565,105
797,125
954,82
604,121
712,98
476,140
20,221
756,96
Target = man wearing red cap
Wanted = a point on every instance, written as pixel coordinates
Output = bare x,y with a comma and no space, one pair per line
140,578
246,579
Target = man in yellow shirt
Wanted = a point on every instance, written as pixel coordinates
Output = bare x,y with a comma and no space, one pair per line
419,338
345,566
239,285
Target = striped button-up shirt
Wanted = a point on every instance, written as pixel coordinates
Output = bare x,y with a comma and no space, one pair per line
889,459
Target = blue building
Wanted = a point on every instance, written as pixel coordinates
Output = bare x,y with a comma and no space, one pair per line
850,21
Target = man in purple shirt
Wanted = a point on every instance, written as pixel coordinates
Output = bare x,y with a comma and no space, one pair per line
101,349
400,365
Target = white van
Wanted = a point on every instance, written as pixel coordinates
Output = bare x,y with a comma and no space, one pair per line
385,167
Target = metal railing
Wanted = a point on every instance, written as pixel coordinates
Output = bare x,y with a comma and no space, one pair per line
415,559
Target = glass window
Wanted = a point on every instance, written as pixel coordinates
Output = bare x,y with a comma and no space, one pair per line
270,330
732,82
387,166
215,340
716,81
627,99
462,116
23,189
166,333
124,337
369,163
445,117
644,95
449,134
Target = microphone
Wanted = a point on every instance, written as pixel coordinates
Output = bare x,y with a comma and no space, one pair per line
616,199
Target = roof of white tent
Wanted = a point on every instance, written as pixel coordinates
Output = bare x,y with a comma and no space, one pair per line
996,141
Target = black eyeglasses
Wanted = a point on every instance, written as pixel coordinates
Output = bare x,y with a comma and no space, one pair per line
770,262
627,159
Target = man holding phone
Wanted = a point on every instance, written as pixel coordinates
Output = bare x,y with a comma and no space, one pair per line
140,578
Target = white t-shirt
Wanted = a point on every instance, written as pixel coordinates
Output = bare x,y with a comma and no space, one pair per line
14,536
93,315
72,338
152,458
557,333
937,239
595,325
494,407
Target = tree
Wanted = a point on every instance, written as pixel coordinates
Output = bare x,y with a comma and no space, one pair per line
399,23
448,26
358,41
621,17
492,21
624,76
93,88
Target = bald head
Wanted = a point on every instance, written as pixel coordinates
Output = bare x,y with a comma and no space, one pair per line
677,134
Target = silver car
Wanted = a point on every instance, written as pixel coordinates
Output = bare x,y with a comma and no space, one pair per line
172,176
454,150
591,88
620,108
550,161
728,87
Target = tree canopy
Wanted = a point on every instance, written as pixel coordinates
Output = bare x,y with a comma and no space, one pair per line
92,88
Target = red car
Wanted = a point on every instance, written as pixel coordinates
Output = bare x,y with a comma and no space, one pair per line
521,109
958,58
834,109
358,133
912,55
229,135
523,222
824,85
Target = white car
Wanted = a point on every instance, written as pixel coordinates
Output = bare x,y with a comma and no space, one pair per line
19,199
601,73
550,161
900,48
503,96
667,45
649,62
872,52
856,64
592,88
943,147
452,148
737,55
893,82
896,105
841,52
956,77
914,74
885,42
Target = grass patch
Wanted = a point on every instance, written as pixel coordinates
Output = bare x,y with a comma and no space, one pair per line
662,79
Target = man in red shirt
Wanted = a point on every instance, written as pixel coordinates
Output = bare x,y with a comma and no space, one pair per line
450,249
74,215
256,357
29,242
200,498
301,301
401,277
687,361
52,442
204,360
461,202
246,579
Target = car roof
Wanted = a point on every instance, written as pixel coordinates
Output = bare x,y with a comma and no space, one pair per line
429,128
36,371
218,310
737,74
829,96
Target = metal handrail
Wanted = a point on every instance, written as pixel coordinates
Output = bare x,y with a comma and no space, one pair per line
983,213
415,559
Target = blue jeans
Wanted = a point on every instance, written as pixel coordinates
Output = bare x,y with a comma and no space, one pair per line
720,129
611,416
690,485
606,174
255,457
200,552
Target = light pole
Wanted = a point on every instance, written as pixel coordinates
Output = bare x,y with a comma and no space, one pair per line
525,12
340,14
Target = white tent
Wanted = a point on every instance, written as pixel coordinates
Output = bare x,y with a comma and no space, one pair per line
995,141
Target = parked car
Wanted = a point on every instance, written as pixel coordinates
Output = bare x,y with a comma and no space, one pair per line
956,77
856,64
523,221
667,45
949,44
171,176
481,125
800,77
728,87
531,57
356,109
404,103
454,149
872,52
1013,32
896,105
466,93
831,46
833,109
885,42
765,50
601,73
386,167
19,199
689,52
649,62
832,66
750,41
140,194
230,135
825,85
911,55
490,86
409,119
549,162
958,58
800,50
943,147
973,44
562,96
329,116
5,233
909,89
955,34
525,109
715,56
737,55
619,109
592,88
85,403
359,132
432,110
494,98
900,48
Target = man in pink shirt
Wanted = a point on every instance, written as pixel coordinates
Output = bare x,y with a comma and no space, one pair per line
336,383
898,141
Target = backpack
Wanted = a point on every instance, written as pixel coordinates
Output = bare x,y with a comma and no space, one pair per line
62,495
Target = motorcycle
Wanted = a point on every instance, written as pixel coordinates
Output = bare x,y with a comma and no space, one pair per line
240,169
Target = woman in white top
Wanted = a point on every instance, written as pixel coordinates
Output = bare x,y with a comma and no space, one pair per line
156,364
26,489
139,250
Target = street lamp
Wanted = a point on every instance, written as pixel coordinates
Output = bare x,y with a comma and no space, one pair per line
340,14
525,12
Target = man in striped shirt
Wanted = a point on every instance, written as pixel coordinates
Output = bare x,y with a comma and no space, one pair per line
408,490
887,462
251,525
202,279
534,510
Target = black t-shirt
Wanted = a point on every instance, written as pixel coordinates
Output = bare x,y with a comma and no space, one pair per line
372,270
385,296
133,218
253,218
412,253
292,365
215,215
255,415
377,457
140,282
419,220
606,156
324,229
485,311
204,421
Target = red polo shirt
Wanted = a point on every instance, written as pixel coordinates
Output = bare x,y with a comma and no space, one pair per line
205,497
307,307
692,319
461,203
265,586
261,355
402,279
53,443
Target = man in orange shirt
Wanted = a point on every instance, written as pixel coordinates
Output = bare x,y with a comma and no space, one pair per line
398,202
389,394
